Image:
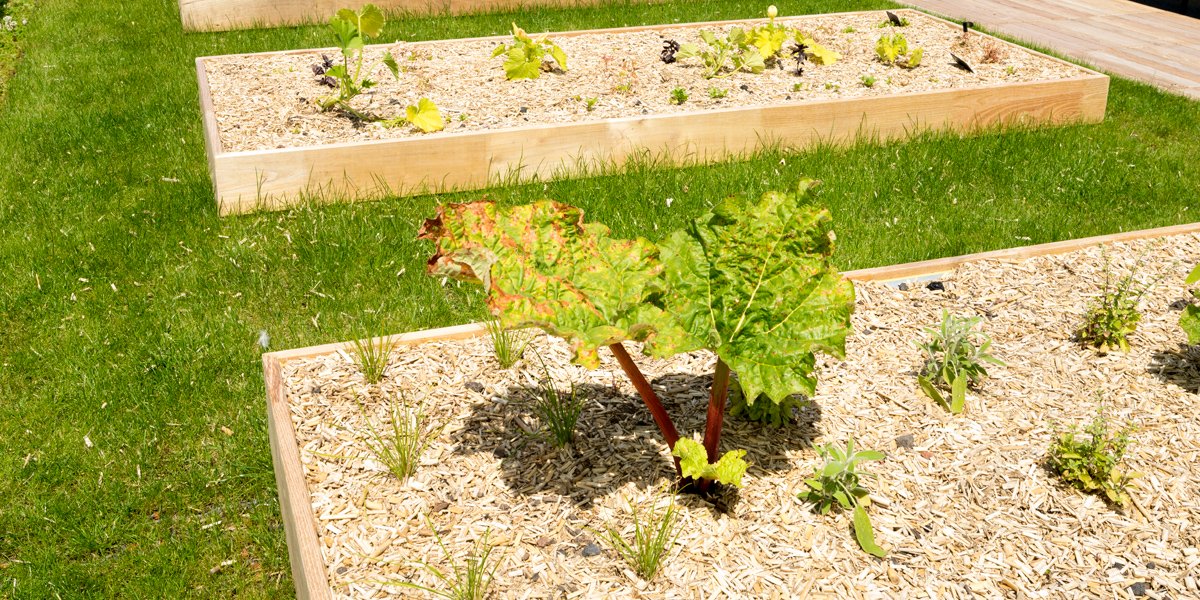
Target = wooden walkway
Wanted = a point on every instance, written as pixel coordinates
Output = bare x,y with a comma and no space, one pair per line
1120,36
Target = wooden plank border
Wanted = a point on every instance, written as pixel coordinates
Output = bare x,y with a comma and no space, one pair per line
295,504
277,178
225,15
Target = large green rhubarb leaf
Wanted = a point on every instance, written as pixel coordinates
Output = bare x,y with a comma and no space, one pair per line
753,282
543,266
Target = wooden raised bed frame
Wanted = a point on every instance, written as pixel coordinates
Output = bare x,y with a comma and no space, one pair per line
224,15
277,178
304,548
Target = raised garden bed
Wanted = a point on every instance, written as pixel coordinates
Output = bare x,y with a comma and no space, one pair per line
964,502
269,145
223,15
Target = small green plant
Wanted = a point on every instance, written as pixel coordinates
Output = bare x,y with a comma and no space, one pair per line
508,345
954,361
470,581
411,435
733,52
868,81
717,93
762,410
371,355
1114,315
678,96
1092,464
797,87
693,460
1010,70
829,85
835,484
1190,319
557,411
525,58
892,47
849,29
590,103
351,30
890,23
424,115
653,538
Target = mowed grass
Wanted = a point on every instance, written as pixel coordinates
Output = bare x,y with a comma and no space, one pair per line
133,447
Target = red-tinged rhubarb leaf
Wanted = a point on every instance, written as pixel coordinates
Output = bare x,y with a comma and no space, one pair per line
543,266
753,282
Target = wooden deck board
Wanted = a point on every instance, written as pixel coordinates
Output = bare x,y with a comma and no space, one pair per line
1124,37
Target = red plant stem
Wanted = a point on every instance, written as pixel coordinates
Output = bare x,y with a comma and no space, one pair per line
716,415
661,418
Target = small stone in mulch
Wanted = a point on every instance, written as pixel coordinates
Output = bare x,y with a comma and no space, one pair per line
440,506
1138,589
905,441
590,550
544,541
474,386
935,286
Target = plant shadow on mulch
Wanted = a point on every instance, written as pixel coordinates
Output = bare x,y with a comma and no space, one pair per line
1180,366
617,442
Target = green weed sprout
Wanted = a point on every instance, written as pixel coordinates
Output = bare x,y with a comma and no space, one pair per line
469,581
1113,316
411,435
653,537
371,355
508,345
558,412
1093,464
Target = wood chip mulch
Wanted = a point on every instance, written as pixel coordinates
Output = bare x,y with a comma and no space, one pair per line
263,102
963,503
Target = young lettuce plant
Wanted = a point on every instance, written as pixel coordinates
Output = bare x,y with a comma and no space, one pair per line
526,56
892,46
752,282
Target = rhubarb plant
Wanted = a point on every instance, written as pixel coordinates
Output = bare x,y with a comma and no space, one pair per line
750,281
1190,320
526,57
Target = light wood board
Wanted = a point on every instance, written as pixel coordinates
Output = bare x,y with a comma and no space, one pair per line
1127,38
304,548
278,178
224,15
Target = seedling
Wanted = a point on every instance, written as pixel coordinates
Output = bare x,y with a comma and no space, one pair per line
371,356
733,53
351,30
1113,316
954,361
835,484
411,435
849,29
590,103
892,48
868,81
717,93
750,281
526,57
797,87
678,96
467,582
558,412
831,86
508,346
1190,319
1010,70
424,115
1093,464
652,539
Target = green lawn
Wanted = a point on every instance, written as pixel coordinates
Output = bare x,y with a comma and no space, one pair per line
133,448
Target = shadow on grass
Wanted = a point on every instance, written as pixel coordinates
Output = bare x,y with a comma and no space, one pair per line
617,442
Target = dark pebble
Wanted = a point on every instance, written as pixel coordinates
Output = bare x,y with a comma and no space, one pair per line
935,286
523,110
591,550
1117,565
1138,589
902,287
905,441
745,88
440,506
475,386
